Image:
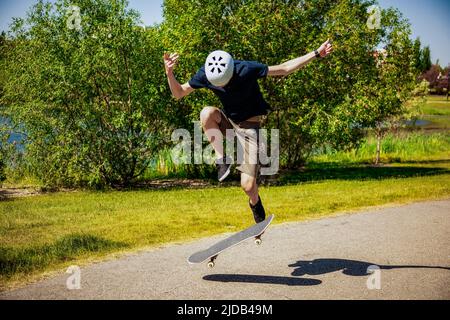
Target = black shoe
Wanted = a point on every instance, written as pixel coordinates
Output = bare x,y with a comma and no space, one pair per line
259,214
223,166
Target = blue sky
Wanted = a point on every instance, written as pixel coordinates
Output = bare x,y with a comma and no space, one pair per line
429,19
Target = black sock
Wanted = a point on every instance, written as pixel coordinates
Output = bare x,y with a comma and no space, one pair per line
258,211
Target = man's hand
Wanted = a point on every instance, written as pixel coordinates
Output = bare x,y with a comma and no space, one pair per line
178,91
170,61
325,49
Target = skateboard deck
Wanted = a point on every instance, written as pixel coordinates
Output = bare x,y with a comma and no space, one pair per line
212,252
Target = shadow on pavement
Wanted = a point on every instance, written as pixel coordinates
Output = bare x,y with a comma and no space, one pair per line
313,267
248,278
348,267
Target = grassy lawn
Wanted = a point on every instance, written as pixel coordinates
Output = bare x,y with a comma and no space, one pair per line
439,108
433,98
400,147
437,112
437,122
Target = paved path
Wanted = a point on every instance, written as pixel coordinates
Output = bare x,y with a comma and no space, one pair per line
321,259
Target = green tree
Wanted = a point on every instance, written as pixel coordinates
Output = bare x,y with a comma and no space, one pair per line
394,79
88,92
421,56
426,59
323,104
417,47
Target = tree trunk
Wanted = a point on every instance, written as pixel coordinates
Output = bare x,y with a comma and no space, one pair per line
379,136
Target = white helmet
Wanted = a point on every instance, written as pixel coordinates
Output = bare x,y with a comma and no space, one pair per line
219,68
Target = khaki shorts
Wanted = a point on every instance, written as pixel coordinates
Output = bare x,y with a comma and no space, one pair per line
247,143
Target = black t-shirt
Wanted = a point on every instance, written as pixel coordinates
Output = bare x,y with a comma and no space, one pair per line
241,97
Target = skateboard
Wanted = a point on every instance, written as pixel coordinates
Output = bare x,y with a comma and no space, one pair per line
211,253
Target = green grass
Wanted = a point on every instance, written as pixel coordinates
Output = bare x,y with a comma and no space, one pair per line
50,232
442,98
436,108
437,123
329,171
436,111
403,147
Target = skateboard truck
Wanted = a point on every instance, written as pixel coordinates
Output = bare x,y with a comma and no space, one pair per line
258,239
211,262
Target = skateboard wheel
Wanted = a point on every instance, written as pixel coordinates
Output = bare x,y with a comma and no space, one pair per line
258,242
211,264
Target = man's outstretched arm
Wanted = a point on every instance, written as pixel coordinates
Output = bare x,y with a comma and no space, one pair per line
178,91
293,65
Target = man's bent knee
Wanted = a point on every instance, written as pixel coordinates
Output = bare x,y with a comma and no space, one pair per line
209,114
249,185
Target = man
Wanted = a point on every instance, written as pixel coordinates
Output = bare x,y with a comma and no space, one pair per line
235,82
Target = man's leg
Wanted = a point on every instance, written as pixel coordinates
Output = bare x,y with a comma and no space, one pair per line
210,118
250,186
